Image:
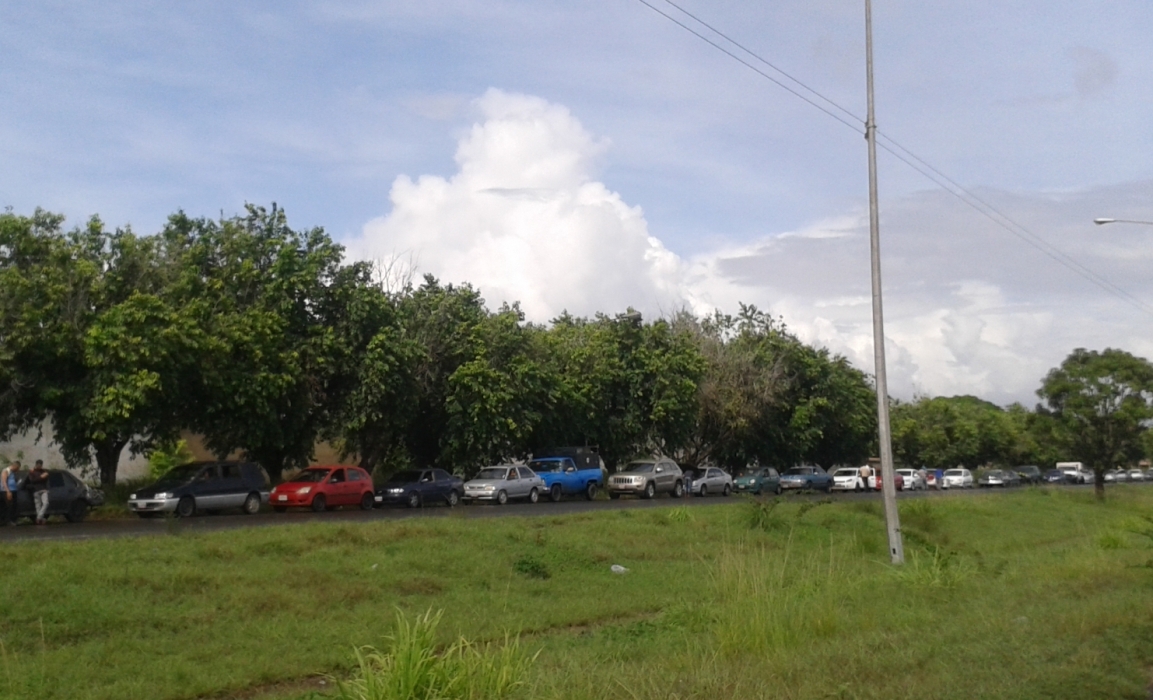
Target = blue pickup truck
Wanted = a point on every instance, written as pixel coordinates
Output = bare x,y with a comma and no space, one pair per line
569,472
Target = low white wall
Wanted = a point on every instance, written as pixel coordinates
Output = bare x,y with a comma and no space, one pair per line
28,449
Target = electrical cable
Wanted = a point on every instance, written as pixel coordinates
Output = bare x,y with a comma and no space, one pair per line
909,158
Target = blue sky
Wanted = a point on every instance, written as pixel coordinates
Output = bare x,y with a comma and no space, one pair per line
377,120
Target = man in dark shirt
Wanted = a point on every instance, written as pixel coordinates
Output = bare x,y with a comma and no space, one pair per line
37,483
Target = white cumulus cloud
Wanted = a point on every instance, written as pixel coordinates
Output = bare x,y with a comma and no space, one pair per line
525,219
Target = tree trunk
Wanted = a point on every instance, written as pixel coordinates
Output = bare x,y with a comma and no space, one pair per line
108,459
1099,484
271,459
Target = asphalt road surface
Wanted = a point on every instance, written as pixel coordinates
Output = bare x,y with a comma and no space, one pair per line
58,529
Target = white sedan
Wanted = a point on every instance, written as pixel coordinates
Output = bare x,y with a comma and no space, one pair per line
957,478
848,479
914,479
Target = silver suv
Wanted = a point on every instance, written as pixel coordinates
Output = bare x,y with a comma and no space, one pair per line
648,477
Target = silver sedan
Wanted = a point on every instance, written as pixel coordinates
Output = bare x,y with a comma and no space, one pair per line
501,483
712,480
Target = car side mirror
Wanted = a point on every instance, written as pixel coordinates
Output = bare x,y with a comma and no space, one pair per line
570,470
660,469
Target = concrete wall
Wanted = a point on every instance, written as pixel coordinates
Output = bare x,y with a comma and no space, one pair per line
27,448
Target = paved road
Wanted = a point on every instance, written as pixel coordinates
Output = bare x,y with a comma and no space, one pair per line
57,529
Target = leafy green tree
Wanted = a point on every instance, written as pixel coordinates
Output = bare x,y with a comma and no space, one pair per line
268,296
625,386
767,397
90,344
1103,402
946,432
375,390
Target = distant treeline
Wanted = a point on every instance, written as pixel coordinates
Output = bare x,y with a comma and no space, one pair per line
264,340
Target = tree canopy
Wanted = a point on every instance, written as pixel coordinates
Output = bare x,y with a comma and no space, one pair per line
263,339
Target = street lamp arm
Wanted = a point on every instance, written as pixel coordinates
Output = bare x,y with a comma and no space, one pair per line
1103,220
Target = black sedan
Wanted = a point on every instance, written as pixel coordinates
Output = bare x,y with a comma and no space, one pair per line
67,496
1029,473
417,487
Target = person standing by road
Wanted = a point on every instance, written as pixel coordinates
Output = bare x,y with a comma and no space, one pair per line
37,484
863,475
9,483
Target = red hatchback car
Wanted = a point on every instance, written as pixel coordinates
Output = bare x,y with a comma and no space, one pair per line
324,488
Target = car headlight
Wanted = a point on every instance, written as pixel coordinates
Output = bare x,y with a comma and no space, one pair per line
163,495
395,491
132,497
303,490
488,487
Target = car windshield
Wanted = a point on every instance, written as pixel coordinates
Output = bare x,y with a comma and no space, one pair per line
309,476
996,474
492,473
404,477
954,472
800,470
640,467
181,474
539,466
845,472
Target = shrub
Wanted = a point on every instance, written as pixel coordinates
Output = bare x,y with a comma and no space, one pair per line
166,456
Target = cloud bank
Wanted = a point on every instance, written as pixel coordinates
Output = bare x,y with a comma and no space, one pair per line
970,309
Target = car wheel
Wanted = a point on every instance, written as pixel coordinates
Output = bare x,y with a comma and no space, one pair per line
613,495
726,490
367,501
252,504
453,498
280,509
554,493
78,511
318,503
704,490
650,490
533,495
186,507
591,492
778,490
413,499
501,498
679,490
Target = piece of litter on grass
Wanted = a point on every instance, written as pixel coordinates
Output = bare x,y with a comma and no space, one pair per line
374,566
618,569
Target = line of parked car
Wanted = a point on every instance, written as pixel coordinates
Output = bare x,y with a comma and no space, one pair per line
213,486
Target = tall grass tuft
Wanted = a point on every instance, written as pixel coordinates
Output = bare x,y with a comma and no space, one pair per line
413,669
759,515
777,601
939,568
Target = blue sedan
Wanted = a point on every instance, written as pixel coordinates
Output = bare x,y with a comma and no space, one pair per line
808,478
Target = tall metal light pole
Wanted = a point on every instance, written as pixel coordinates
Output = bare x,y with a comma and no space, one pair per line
888,488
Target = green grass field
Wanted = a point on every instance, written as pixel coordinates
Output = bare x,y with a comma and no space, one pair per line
1037,593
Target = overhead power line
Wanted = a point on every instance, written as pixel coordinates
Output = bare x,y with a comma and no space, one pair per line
846,117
